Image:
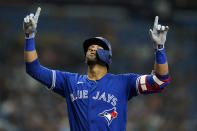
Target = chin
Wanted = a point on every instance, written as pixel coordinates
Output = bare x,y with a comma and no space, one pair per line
91,60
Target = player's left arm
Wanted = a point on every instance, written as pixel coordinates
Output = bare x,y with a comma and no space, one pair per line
156,82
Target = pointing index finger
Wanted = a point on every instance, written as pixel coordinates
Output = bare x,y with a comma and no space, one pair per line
156,21
37,14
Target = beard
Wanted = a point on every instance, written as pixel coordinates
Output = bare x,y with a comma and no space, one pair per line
91,61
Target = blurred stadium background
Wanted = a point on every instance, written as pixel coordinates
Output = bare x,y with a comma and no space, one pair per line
25,105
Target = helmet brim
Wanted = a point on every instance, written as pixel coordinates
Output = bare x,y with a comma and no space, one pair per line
94,41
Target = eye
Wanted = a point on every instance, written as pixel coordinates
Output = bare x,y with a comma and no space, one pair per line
90,48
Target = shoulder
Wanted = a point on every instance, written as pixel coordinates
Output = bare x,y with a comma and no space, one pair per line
124,76
69,75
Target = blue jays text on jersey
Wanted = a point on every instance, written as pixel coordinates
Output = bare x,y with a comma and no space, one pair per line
97,105
83,94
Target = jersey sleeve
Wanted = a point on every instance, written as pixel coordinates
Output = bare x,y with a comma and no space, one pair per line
131,80
55,80
60,81
38,72
146,84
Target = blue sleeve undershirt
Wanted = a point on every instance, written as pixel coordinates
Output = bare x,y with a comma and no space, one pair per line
39,72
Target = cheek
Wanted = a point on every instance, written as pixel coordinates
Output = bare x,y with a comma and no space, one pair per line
87,54
90,57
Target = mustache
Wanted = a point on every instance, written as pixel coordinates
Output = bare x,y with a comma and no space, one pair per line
91,60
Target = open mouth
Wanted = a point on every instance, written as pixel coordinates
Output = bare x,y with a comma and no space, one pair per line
93,53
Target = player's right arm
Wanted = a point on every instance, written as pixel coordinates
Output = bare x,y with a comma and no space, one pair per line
33,67
52,79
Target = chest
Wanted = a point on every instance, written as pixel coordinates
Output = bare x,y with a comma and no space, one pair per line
101,92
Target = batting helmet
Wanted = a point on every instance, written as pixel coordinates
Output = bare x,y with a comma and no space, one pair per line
104,54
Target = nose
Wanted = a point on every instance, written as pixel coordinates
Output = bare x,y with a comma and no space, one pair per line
93,49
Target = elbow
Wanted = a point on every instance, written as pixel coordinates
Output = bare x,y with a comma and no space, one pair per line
165,84
149,84
32,68
161,80
28,70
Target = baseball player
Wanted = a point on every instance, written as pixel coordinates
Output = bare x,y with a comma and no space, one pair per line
98,100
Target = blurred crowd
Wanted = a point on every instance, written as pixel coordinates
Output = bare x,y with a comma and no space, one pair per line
26,105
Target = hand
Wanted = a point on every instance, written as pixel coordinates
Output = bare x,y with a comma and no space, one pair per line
158,34
30,24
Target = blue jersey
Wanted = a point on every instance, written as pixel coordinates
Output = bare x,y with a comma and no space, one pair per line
97,105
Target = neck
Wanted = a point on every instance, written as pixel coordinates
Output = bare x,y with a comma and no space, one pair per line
96,72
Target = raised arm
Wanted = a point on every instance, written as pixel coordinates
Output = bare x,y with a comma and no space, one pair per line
158,36
29,27
156,82
33,67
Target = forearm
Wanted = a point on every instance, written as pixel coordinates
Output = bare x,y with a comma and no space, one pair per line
161,69
161,63
155,82
33,67
30,56
30,53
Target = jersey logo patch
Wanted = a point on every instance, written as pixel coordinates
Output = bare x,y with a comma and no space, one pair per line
80,82
109,115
